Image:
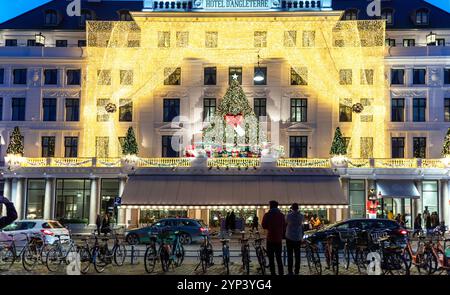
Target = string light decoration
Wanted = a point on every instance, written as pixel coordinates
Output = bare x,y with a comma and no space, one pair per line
156,44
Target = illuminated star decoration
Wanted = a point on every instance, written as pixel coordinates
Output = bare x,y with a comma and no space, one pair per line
235,77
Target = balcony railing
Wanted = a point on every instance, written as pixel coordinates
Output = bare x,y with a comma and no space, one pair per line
227,162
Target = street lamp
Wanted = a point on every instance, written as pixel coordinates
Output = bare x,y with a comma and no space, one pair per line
259,75
39,39
431,39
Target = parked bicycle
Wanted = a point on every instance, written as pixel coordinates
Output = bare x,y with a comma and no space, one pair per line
245,253
261,253
415,257
332,253
205,254
103,256
226,254
29,254
437,255
170,252
312,257
62,252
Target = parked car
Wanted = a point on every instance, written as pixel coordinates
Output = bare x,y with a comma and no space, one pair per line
190,230
393,229
49,229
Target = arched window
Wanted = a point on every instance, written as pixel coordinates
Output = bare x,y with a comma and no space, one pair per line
51,17
85,16
124,15
422,17
388,15
350,14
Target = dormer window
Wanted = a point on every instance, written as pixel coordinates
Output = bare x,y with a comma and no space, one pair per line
51,18
85,16
422,17
351,14
388,15
124,15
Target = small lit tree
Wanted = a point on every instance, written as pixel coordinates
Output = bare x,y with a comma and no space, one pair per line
338,146
15,146
446,146
130,146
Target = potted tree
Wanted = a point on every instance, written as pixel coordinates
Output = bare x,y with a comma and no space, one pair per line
14,153
338,151
130,150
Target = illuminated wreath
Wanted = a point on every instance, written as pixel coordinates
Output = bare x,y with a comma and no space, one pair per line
357,108
110,108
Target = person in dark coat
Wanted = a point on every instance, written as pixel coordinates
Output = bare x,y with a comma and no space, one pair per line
106,224
98,223
232,220
417,224
255,223
428,223
227,222
275,224
11,213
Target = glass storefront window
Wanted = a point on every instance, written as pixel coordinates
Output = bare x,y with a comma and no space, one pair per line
430,196
72,198
244,217
35,198
357,196
109,191
148,217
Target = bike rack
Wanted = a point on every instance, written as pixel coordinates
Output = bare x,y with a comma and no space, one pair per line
134,256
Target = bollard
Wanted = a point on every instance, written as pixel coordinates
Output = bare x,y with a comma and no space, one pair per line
133,254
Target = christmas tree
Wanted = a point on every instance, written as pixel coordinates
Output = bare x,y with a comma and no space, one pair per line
338,146
130,146
446,147
15,146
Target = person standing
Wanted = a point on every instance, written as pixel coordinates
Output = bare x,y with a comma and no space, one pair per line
106,224
274,222
232,220
417,224
255,223
294,237
98,223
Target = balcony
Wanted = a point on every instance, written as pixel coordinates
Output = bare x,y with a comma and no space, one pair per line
397,51
42,52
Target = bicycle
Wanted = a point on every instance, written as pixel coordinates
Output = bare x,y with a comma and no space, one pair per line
226,255
437,256
261,253
312,257
60,253
245,253
168,253
350,248
332,253
205,254
391,256
103,256
416,258
33,252
33,245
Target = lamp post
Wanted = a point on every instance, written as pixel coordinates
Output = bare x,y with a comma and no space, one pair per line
431,39
40,39
259,75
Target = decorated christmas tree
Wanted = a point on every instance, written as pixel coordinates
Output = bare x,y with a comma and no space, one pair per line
15,146
338,146
446,147
130,146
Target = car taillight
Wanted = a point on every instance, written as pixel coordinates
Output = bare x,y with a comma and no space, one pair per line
202,229
47,232
403,232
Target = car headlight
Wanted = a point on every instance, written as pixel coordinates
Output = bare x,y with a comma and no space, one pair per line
305,236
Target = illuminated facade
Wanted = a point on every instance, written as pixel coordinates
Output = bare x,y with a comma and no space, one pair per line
164,72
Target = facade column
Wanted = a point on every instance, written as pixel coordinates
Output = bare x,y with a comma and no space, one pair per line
93,204
121,214
445,201
49,198
7,188
19,198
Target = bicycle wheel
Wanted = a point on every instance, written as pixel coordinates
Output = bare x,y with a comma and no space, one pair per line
165,260
179,255
30,257
85,260
335,261
317,263
396,264
150,259
204,258
361,260
226,258
261,260
347,255
430,262
43,253
408,258
120,254
99,260
246,261
53,259
6,258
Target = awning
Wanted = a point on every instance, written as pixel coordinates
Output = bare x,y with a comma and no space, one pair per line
222,190
398,189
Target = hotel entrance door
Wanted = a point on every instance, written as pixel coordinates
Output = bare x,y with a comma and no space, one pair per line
402,206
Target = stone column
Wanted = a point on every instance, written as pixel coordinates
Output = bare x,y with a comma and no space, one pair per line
49,198
444,212
7,188
121,214
93,206
19,201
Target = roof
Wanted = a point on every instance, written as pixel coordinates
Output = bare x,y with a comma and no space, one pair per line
108,10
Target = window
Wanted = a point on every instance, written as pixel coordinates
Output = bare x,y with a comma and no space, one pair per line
447,76
388,15
409,42
20,76
366,77
85,16
134,43
102,115
108,193
345,110
299,109
440,42
104,77
73,77
398,147
125,15
235,72
390,42
49,109
48,146
345,77
61,43
51,17
419,107
70,147
72,109
262,71
298,146
121,143
398,110
209,108
35,198
182,39
447,109
290,38
367,116
125,110
210,76
72,198
102,147
430,196
1,111
419,76
348,145
2,76
170,146
211,39
397,76
260,39
173,76
299,76
419,147
366,147
259,107
11,42
31,42
18,109
163,39
126,77
422,17
309,38
357,194
351,14
51,76
171,109
81,43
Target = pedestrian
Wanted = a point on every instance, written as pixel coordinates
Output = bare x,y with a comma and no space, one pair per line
274,222
255,223
390,215
294,237
398,218
417,224
428,223
232,220
106,224
227,222
11,213
98,223
317,222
